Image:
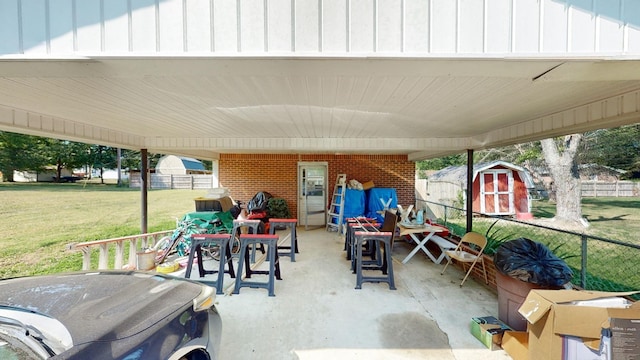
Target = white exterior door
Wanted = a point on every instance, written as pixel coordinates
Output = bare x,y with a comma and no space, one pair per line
312,193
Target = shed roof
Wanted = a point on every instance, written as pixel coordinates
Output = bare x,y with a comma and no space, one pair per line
191,163
459,173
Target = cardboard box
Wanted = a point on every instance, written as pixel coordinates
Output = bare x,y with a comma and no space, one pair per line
516,344
206,204
574,348
625,339
488,330
368,185
551,314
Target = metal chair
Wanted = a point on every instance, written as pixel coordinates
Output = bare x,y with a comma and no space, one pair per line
472,240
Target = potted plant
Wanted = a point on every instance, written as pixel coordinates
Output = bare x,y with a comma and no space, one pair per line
277,208
495,238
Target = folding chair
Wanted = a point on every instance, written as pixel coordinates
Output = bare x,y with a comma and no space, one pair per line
474,241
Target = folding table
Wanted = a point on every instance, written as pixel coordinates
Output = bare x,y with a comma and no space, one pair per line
429,234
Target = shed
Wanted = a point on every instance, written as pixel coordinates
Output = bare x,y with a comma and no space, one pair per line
178,165
499,188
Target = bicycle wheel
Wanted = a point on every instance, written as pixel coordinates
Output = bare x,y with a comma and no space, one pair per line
168,251
212,252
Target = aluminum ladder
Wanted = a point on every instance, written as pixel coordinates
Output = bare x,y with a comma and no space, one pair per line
336,210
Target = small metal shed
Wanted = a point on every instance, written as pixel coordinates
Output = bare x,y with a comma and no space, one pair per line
499,188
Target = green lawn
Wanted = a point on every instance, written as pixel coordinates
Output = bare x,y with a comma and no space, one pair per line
609,217
38,221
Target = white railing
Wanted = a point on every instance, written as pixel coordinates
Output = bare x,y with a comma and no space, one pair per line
136,242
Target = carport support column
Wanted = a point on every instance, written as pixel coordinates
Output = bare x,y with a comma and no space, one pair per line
469,190
144,171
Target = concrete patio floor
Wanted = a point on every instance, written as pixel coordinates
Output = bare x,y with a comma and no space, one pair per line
317,313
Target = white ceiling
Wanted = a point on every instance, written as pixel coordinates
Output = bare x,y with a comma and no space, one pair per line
424,108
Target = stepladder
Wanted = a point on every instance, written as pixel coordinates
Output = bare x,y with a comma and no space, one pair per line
336,209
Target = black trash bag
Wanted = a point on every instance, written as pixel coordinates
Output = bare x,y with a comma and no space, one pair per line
532,262
259,201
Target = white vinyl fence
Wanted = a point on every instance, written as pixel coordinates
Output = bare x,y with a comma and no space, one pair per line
192,182
612,189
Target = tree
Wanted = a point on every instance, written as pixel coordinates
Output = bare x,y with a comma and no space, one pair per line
618,148
131,159
440,163
19,153
63,154
560,156
102,157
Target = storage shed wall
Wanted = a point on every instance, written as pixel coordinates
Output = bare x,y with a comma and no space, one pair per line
520,194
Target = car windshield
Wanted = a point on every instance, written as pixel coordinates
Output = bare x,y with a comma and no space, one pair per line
13,349
25,334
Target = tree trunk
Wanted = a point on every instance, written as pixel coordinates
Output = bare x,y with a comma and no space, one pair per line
8,177
58,171
561,159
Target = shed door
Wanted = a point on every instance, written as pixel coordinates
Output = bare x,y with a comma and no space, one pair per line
496,192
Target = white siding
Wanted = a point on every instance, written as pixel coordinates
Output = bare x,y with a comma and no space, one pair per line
498,36
306,26
252,24
556,17
362,30
336,27
225,20
389,26
116,26
9,27
89,26
60,24
443,30
34,27
143,26
334,30
526,26
198,27
582,30
171,21
471,26
416,26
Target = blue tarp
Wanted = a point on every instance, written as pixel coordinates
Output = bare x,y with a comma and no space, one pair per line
375,198
353,203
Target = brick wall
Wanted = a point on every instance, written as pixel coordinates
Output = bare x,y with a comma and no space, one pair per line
246,174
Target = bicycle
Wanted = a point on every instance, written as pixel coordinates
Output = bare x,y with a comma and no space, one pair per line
179,243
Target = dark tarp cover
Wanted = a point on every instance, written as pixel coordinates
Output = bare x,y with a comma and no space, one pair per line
532,262
259,201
